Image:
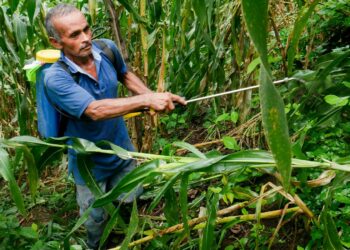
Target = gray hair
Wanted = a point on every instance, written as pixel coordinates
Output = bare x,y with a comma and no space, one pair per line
59,11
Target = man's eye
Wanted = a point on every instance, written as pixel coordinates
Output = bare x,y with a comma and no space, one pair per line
74,35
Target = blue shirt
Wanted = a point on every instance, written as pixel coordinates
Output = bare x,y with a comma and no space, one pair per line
74,98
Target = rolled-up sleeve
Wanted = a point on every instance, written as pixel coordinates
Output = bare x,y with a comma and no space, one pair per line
64,92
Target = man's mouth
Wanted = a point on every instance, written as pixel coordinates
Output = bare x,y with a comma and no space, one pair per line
86,47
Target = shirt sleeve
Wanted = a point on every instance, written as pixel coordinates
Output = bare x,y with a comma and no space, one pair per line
119,61
64,92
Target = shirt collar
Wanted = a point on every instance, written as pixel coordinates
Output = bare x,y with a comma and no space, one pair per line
74,68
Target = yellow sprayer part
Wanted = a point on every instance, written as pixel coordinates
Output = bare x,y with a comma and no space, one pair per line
48,55
130,115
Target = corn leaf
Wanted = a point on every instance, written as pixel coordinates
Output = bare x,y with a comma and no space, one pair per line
200,9
192,166
163,189
183,202
132,229
20,29
255,15
33,141
130,181
80,222
275,125
273,115
299,27
13,5
190,148
33,8
208,233
112,222
33,175
133,11
171,209
331,240
7,174
49,156
85,165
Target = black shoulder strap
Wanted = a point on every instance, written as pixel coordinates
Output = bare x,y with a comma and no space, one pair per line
106,50
65,68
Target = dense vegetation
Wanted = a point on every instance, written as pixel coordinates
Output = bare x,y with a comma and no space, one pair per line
210,181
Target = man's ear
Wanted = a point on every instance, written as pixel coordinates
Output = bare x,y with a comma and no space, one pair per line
55,43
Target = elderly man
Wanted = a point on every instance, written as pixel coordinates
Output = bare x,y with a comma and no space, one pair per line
95,112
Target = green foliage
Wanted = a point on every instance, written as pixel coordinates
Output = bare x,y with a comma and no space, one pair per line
272,107
206,50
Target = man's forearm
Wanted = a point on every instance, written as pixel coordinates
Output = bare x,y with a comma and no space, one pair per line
134,84
109,108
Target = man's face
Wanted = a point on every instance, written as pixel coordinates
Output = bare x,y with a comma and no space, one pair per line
75,35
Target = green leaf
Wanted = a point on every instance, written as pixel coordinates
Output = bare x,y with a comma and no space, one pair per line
298,29
7,174
230,143
133,11
28,232
163,189
132,229
121,152
184,203
13,5
190,148
33,141
253,64
323,73
49,156
130,181
33,8
275,126
5,20
33,174
20,29
85,165
337,101
80,222
112,222
234,116
255,15
331,240
208,233
200,9
192,166
222,117
347,84
171,211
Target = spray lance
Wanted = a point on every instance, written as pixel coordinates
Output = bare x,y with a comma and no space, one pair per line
130,115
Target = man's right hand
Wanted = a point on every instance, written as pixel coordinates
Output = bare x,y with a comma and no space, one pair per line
163,101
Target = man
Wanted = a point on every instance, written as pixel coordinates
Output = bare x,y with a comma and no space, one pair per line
93,103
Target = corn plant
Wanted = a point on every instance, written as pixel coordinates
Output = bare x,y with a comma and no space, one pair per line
172,171
190,48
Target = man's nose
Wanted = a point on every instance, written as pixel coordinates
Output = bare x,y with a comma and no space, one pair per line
85,37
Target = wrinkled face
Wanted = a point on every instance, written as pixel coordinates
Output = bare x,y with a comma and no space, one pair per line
75,35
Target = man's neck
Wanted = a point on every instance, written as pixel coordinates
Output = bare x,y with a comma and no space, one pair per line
82,62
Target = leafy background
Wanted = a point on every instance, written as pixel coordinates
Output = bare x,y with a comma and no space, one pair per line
222,194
